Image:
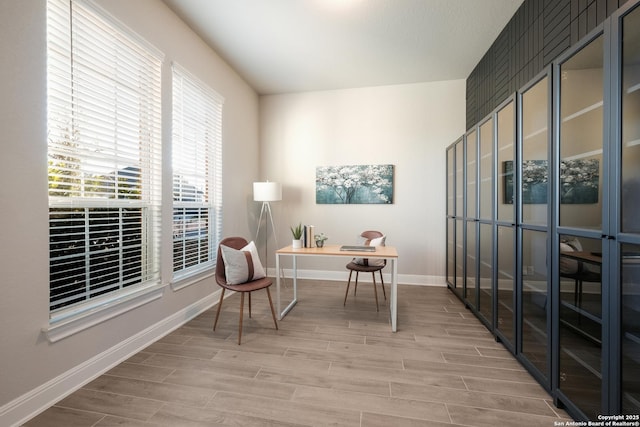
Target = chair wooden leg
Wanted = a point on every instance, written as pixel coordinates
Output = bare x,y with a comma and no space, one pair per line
273,312
218,311
383,291
355,287
348,283
241,308
579,294
375,290
249,305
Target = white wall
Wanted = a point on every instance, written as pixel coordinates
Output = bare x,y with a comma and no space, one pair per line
408,126
34,371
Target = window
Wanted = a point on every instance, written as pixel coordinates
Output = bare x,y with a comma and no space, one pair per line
104,161
197,173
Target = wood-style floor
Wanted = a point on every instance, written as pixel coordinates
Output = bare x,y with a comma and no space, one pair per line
327,365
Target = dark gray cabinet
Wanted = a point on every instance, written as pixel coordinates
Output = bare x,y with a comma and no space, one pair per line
543,222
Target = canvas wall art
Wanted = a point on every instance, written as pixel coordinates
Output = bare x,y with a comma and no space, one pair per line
354,184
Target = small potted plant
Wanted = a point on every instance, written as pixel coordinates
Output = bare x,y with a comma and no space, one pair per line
297,236
320,238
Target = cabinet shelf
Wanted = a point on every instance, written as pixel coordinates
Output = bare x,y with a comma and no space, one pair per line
632,143
582,112
632,337
633,88
582,312
534,327
535,133
582,361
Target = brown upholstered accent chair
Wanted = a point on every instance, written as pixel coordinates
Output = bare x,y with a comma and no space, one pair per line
365,267
243,288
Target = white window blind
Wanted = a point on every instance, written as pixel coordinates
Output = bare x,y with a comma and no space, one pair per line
197,173
104,163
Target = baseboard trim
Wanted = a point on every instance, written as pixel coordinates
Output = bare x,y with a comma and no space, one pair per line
27,406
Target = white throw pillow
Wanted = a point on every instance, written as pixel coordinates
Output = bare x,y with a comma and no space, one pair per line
241,266
567,265
378,241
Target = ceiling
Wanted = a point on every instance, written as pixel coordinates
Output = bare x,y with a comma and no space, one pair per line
284,46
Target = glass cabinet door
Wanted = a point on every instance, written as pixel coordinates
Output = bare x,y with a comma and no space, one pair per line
485,166
459,205
485,233
535,154
506,248
471,267
451,254
471,147
581,138
580,244
459,217
451,169
451,266
629,194
534,208
580,359
506,156
506,284
535,300
471,271
459,237
630,330
630,170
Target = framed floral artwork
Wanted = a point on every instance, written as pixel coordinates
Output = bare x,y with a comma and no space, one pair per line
354,184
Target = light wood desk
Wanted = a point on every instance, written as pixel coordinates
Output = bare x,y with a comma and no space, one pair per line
383,252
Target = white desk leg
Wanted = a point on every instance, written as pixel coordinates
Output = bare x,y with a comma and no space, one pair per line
295,291
295,278
394,295
278,286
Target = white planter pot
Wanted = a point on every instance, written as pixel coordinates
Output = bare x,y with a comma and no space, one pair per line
296,244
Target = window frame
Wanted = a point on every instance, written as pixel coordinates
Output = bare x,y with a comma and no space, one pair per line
196,158
65,105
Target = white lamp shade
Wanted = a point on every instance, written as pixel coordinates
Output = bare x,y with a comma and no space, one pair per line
267,191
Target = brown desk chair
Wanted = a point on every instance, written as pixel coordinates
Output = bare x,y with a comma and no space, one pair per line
243,288
364,267
574,269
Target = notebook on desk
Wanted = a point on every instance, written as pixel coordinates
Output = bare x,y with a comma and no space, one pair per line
358,248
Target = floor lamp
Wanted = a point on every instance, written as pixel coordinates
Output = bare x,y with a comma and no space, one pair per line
266,192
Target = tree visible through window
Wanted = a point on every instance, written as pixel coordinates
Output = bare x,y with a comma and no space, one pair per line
103,155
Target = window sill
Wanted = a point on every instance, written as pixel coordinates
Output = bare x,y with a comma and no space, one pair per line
66,324
184,280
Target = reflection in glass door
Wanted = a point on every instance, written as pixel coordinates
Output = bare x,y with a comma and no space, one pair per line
579,244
